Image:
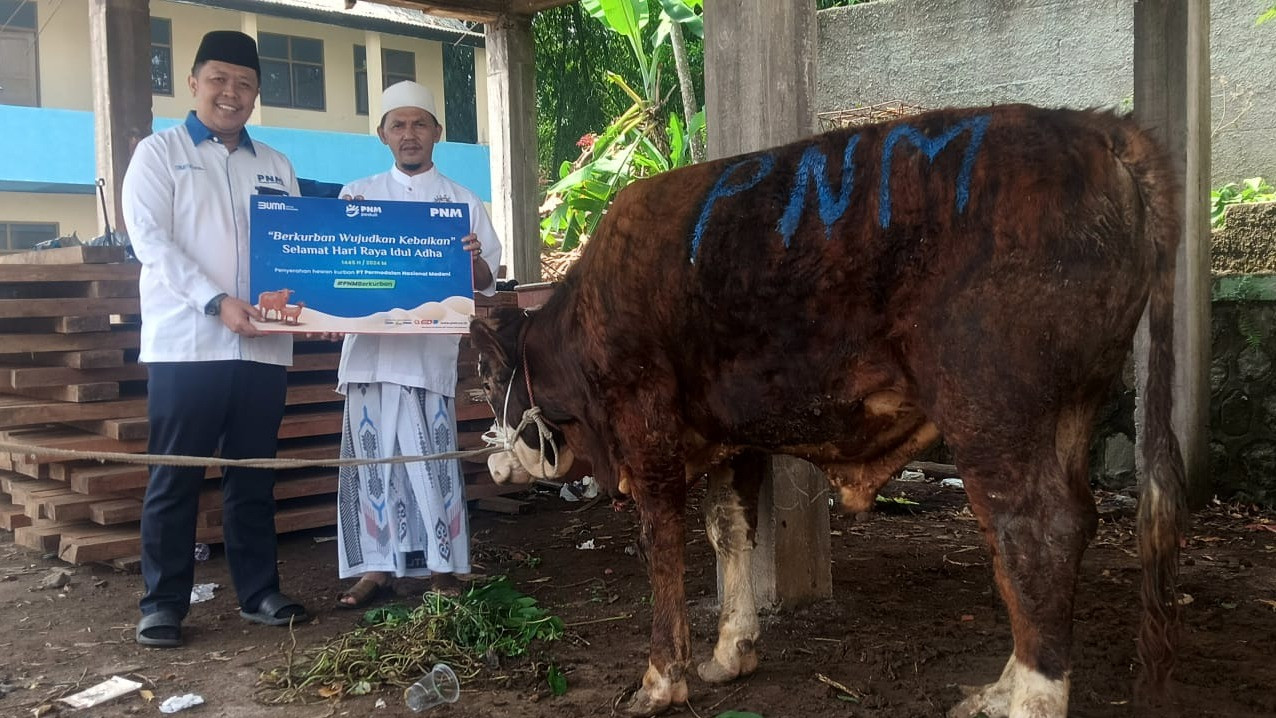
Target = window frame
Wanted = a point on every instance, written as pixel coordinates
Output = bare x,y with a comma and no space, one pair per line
361,94
15,23
6,234
292,64
172,83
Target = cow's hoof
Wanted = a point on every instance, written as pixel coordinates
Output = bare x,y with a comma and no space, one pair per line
643,703
991,701
743,663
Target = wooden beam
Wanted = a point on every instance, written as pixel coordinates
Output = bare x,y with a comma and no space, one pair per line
475,10
120,53
759,93
1172,99
511,82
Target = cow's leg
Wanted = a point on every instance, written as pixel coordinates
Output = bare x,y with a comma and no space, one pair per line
662,511
731,516
1034,505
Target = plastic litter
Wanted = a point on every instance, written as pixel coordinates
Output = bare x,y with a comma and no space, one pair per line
201,592
911,475
181,703
586,545
202,552
435,688
585,488
111,688
952,484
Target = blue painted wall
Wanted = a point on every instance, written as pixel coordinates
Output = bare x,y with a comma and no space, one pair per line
50,150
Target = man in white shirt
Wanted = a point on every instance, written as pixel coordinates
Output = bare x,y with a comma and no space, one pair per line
214,381
406,519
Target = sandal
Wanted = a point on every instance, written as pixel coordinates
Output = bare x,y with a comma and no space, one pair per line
277,610
364,592
162,629
447,584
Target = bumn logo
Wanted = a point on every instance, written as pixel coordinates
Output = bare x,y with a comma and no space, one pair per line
272,205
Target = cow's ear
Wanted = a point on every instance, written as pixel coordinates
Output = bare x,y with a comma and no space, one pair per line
485,337
486,341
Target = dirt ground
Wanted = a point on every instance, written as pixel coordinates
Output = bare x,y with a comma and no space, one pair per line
912,618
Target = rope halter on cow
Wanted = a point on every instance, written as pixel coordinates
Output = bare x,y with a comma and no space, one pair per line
502,436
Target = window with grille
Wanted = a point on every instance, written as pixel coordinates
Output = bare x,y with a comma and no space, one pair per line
291,71
162,56
396,66
458,93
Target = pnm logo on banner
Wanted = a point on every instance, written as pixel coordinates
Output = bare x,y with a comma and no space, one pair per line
362,210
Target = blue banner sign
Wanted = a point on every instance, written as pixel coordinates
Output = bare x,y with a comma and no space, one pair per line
361,266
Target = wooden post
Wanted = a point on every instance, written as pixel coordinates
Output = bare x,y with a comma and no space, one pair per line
760,92
511,83
1172,99
120,48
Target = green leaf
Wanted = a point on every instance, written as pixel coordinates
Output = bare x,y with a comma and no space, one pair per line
677,11
623,17
1269,15
557,681
391,615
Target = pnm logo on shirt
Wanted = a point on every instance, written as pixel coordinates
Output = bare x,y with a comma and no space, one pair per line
187,166
362,210
444,198
269,179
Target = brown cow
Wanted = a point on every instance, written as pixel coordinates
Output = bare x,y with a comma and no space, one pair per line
975,273
291,313
273,301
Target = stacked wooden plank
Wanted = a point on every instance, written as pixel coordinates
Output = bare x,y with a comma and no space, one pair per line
69,379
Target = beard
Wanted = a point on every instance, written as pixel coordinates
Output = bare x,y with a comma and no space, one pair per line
413,167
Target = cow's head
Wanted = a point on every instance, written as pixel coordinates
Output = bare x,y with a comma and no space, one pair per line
538,448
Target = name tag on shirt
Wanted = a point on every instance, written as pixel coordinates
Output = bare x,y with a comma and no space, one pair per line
360,267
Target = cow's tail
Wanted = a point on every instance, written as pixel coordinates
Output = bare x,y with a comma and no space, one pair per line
1162,518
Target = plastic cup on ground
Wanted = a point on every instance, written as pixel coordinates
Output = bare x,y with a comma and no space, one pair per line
437,687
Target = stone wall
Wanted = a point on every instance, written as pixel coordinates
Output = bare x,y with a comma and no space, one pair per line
1242,369
938,53
1242,388
1247,242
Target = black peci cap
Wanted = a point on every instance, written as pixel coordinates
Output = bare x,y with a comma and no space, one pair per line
229,46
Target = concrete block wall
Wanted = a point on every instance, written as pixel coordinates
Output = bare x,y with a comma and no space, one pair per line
939,53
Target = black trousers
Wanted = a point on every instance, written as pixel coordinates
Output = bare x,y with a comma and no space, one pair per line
196,408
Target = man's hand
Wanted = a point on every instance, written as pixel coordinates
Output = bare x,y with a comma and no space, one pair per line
235,314
482,272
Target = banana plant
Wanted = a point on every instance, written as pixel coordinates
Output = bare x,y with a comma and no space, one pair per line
635,145
638,143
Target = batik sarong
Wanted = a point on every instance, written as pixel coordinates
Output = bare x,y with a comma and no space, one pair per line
404,519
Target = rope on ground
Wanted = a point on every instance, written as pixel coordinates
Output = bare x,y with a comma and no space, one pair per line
33,451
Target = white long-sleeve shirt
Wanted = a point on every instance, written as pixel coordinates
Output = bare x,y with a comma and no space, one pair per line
185,202
426,361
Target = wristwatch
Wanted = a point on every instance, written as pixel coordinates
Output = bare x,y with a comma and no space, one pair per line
214,306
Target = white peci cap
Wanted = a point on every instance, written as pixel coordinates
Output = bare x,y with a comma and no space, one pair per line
408,94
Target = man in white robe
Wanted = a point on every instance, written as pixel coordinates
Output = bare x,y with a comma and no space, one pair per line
406,519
